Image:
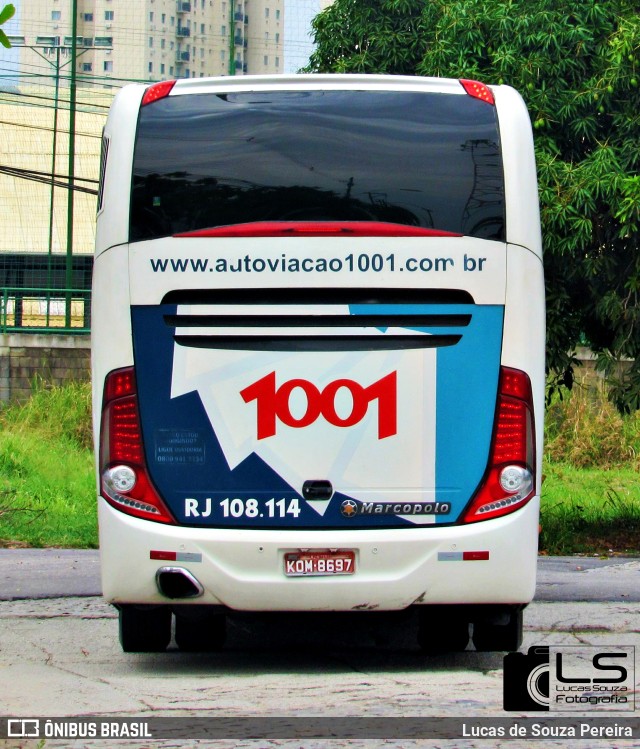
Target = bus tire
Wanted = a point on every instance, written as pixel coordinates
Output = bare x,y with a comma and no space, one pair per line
144,629
502,632
200,633
442,632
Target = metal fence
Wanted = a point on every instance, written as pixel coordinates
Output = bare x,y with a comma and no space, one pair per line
39,310
34,297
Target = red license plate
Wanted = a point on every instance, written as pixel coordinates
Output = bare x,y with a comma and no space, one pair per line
314,563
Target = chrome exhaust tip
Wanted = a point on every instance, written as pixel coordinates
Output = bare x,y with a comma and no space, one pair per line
177,583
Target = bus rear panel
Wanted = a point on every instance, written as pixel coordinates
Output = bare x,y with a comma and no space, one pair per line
318,354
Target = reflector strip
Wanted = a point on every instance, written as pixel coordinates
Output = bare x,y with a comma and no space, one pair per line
164,556
475,556
463,556
175,556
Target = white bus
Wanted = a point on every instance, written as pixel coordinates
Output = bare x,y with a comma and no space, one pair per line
318,355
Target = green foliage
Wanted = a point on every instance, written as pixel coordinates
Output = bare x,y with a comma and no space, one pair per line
584,430
5,14
47,484
589,511
55,413
577,65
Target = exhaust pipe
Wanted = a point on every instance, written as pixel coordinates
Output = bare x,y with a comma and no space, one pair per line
176,583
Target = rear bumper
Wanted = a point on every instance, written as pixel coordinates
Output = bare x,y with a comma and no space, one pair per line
244,569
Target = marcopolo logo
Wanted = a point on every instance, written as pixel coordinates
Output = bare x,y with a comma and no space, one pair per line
580,678
342,403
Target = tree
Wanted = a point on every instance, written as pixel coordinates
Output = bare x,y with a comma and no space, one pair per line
577,66
5,14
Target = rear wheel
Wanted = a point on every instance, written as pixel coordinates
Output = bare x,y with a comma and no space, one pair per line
200,631
442,631
144,629
501,630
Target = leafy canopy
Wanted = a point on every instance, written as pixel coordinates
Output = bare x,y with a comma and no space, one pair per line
5,14
577,64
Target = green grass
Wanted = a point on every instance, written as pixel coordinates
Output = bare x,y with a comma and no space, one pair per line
590,493
589,510
47,486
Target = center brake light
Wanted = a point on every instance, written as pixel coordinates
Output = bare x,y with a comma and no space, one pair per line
510,479
124,480
318,229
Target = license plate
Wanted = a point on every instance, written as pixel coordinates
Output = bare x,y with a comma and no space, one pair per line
314,563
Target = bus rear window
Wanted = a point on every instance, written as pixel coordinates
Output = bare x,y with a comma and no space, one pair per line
418,159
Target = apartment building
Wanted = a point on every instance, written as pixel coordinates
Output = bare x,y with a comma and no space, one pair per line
120,40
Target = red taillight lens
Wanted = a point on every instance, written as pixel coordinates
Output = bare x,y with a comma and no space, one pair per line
510,480
124,480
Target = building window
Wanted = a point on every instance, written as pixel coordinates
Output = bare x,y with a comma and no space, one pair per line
103,41
161,68
56,15
86,67
107,66
223,30
108,15
202,28
266,60
266,12
150,42
164,18
150,16
277,62
88,16
162,43
151,67
277,38
277,15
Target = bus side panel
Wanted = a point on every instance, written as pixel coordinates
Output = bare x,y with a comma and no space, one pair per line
521,186
120,131
112,345
524,330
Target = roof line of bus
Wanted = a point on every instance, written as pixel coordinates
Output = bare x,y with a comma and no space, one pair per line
312,81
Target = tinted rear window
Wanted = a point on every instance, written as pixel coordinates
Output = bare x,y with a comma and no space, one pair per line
420,159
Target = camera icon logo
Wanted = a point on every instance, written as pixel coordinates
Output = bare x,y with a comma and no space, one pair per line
526,680
23,728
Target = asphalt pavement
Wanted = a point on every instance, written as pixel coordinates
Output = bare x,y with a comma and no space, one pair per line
62,573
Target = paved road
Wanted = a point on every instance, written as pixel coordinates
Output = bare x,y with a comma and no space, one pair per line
54,573
60,656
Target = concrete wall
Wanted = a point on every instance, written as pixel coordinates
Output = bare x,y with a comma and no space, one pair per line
53,358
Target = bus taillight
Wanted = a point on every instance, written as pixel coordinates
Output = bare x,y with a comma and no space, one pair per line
124,479
509,482
157,91
478,90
